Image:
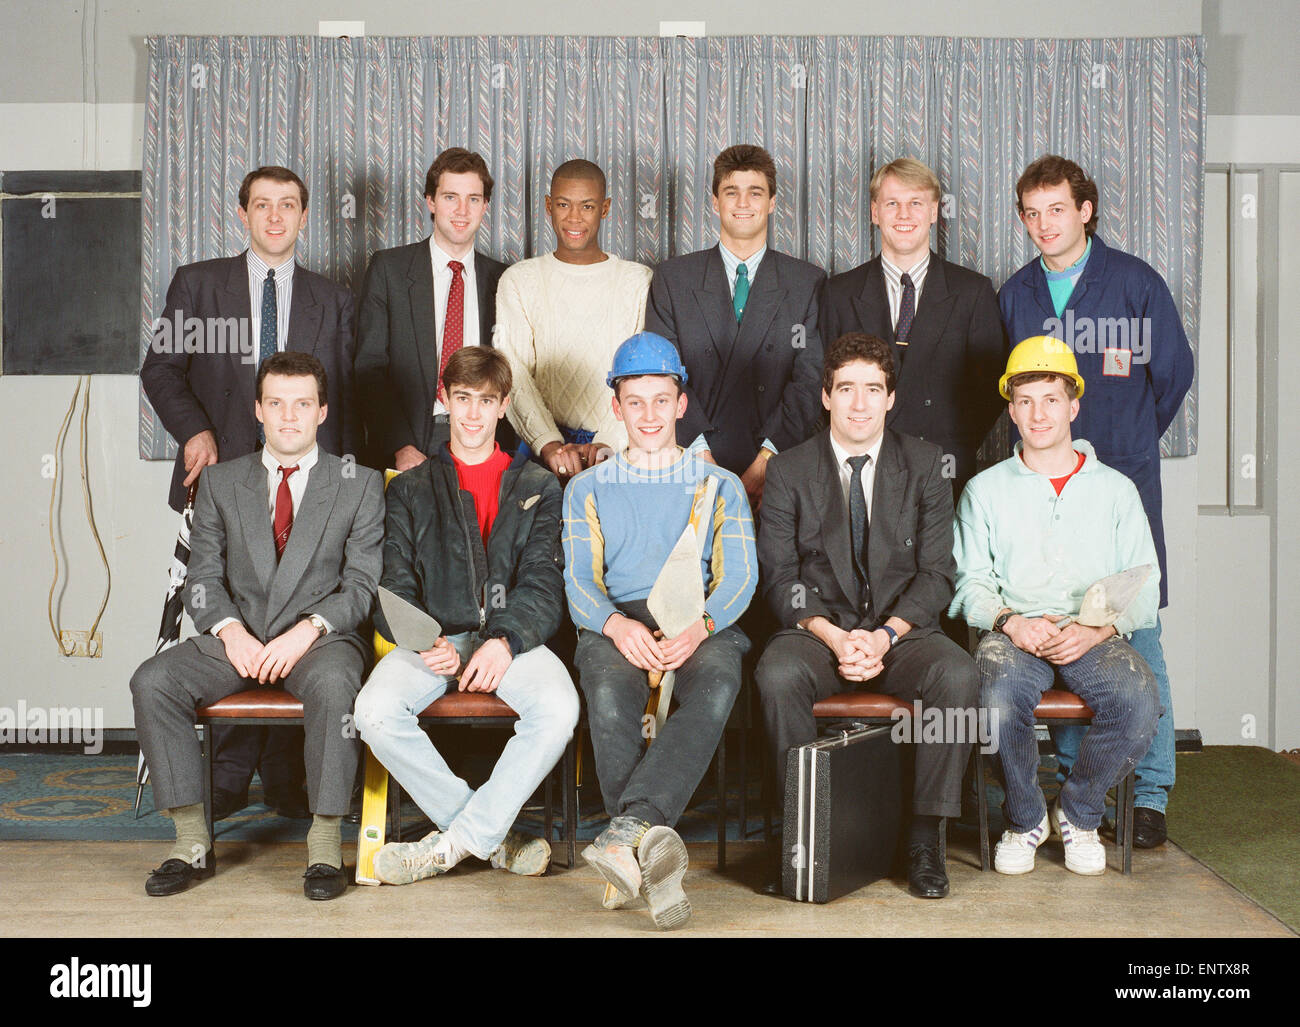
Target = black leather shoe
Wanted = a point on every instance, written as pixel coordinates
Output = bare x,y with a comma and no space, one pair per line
175,875
226,804
771,883
322,881
1148,828
926,877
292,806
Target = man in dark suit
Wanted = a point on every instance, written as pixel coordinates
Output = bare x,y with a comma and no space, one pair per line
744,318
855,551
222,319
285,560
942,320
421,303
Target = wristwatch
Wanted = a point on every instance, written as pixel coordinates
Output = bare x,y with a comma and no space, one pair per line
709,626
893,635
1001,622
319,624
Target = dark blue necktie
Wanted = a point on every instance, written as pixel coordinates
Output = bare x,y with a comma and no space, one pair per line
906,312
270,329
267,336
858,521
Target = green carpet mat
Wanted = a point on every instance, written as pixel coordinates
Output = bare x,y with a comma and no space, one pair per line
1236,808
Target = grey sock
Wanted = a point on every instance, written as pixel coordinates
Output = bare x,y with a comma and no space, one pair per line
324,844
192,839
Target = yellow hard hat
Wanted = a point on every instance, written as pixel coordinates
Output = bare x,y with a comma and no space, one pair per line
1042,354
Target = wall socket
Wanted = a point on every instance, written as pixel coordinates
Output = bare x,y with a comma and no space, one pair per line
82,644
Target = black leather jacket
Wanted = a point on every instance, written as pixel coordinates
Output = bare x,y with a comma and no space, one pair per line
434,555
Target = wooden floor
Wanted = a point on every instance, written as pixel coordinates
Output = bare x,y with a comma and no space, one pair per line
55,889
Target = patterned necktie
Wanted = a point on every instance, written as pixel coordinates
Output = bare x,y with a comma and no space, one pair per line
453,328
283,522
268,334
906,310
742,291
858,521
270,330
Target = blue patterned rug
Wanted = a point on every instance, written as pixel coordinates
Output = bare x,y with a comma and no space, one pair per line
72,797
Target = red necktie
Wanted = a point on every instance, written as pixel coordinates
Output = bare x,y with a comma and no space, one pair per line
283,511
453,328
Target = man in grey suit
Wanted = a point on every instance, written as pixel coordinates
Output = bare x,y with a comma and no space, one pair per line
419,304
285,559
744,318
855,550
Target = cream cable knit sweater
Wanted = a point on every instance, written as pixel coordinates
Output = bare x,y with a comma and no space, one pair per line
559,324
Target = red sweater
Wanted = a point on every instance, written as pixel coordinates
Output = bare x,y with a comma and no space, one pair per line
483,482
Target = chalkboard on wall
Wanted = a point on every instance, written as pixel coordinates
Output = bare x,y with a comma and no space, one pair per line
71,251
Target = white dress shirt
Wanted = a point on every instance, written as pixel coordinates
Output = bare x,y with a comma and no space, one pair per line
730,262
297,480
868,471
894,285
441,291
297,488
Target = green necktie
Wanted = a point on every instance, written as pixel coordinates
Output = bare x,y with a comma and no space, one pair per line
742,291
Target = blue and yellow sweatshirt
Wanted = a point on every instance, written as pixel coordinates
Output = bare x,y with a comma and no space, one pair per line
621,522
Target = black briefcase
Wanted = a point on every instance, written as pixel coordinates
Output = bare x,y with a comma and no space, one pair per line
843,809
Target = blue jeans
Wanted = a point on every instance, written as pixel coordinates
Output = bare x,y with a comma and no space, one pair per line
1121,692
1155,770
535,685
654,784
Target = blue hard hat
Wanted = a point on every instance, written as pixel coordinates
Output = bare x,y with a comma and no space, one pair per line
646,353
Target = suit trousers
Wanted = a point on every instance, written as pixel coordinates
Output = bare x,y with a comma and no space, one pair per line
655,783
275,753
169,687
797,670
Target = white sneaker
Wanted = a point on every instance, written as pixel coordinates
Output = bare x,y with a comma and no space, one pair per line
1015,853
1084,852
408,862
522,854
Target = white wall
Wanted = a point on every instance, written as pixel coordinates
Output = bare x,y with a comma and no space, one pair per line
1247,687
47,122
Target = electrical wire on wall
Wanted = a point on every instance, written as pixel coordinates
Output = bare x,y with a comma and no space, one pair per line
90,517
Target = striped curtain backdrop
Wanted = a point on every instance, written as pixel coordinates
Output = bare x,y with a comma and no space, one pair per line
361,119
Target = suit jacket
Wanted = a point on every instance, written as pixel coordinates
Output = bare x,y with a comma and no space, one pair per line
331,564
749,382
804,539
212,391
397,346
946,392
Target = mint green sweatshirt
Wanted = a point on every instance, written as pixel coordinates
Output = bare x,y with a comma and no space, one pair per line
1020,546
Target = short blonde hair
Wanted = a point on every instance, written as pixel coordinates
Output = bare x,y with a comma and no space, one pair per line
909,171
